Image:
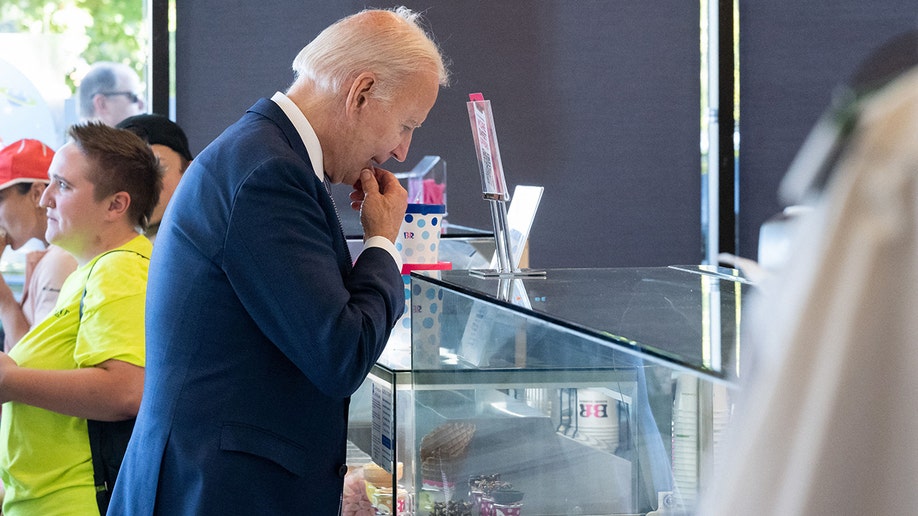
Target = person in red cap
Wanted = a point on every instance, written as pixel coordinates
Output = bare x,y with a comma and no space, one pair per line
23,178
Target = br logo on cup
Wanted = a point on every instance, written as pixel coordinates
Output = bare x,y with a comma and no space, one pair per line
597,418
419,237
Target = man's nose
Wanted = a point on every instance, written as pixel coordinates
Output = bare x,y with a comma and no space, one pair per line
400,153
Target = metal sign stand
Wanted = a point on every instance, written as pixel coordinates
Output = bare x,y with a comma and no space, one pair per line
493,188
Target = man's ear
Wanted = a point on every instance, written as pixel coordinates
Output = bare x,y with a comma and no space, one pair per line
35,192
118,205
98,103
360,91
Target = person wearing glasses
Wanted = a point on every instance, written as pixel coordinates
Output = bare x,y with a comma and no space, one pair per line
109,93
260,326
81,369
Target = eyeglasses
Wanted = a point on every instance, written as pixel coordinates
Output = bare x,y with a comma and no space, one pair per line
133,97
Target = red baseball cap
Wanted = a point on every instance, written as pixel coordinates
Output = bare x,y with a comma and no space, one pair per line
24,161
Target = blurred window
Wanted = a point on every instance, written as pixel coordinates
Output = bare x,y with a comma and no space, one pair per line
46,47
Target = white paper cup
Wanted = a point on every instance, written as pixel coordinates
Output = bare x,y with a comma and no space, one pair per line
419,237
597,418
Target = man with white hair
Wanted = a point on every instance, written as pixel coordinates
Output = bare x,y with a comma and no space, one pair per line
260,324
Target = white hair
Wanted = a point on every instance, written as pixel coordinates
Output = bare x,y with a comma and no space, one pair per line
389,43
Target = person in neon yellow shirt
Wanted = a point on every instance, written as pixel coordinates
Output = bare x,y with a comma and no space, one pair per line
85,360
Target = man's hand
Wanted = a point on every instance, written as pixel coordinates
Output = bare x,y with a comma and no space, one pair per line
382,202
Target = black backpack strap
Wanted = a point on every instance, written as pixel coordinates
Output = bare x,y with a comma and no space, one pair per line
88,274
107,440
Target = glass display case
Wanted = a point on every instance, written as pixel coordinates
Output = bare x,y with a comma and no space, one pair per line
587,391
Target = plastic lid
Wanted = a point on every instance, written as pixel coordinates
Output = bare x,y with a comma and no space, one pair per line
504,496
439,266
425,209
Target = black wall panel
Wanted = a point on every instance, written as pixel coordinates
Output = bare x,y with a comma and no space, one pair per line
792,56
597,100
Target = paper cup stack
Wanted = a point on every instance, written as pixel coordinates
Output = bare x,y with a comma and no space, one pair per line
419,243
419,237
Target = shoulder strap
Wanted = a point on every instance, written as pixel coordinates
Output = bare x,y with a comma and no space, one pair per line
86,285
107,440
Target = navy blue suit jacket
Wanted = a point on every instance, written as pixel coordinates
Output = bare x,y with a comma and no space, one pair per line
258,330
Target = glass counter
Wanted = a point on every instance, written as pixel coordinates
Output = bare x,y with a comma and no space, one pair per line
588,391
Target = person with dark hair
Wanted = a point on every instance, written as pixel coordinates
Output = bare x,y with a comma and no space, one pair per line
260,325
109,93
83,364
170,145
23,178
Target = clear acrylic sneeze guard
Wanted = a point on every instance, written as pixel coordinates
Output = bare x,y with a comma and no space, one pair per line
602,392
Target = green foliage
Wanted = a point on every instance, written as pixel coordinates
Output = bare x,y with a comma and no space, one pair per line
114,29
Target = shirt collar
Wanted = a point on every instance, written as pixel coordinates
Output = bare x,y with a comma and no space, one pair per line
305,130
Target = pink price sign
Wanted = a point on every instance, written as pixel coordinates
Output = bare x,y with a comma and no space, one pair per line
493,184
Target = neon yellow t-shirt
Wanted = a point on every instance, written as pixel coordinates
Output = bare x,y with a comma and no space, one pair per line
45,462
